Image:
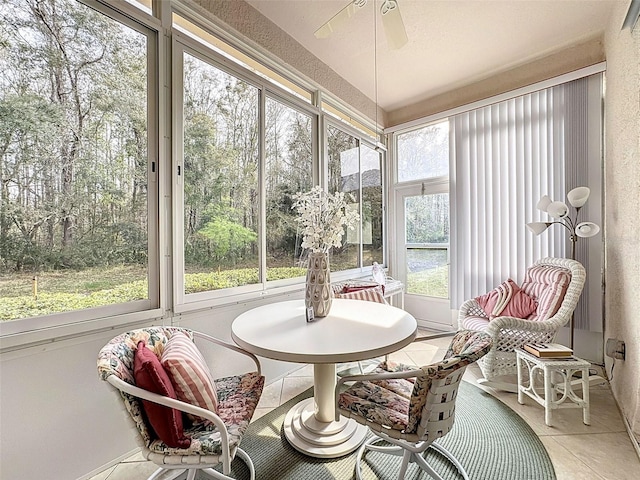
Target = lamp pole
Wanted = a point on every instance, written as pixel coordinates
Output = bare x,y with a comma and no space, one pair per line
577,198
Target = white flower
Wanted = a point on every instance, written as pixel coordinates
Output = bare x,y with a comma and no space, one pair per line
323,217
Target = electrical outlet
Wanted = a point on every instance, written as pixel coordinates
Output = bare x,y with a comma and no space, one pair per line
615,348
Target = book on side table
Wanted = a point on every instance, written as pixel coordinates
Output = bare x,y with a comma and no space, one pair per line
548,350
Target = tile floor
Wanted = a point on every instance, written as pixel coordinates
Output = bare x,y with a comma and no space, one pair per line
601,451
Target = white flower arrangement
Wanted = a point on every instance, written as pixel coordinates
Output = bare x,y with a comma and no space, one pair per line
323,217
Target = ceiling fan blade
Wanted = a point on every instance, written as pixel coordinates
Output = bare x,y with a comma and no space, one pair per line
339,18
393,25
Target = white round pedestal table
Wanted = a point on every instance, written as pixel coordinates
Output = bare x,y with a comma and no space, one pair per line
354,330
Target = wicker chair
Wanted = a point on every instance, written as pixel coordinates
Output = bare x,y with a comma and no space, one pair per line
410,407
549,281
213,442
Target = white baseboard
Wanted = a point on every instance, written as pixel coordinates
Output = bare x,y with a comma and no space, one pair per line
112,463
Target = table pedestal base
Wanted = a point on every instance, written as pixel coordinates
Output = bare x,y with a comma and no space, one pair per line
321,439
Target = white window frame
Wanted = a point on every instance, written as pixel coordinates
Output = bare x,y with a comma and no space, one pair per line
19,332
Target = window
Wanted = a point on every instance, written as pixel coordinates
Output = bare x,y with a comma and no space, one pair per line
356,170
289,167
76,201
220,178
423,168
423,153
239,230
427,244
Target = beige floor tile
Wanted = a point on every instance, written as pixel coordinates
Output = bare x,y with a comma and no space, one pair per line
104,474
610,455
271,395
423,357
303,371
566,465
259,412
136,457
293,386
132,471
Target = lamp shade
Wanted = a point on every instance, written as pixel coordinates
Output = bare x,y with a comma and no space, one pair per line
543,203
557,210
538,227
578,196
587,229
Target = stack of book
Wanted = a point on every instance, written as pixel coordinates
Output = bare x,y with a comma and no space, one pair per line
548,350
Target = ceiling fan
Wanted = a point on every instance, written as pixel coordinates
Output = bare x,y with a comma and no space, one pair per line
391,21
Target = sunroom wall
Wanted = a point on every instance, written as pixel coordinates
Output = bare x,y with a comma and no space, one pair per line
58,421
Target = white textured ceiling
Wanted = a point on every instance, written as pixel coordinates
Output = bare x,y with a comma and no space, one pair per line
451,42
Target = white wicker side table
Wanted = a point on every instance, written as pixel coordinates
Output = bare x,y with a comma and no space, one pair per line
556,374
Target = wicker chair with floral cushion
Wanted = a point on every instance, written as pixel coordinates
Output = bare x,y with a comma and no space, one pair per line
179,435
410,407
554,285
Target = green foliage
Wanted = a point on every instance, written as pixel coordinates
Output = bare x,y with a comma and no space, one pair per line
227,237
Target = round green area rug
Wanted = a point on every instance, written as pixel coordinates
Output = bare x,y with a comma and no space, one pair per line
488,438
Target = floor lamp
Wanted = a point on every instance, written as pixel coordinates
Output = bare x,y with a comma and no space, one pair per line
559,211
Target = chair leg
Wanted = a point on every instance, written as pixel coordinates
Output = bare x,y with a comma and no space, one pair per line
439,448
407,457
220,476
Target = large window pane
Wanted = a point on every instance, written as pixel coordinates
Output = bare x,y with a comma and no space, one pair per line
427,244
371,168
73,160
424,153
289,167
344,176
221,191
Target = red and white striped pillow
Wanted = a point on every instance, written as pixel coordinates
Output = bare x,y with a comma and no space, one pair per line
188,372
372,294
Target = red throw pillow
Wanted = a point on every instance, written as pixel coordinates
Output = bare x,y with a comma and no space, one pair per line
149,375
507,300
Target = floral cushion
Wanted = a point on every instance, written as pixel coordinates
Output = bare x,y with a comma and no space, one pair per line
385,402
237,400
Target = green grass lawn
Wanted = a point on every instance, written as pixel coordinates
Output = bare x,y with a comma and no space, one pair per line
433,282
65,291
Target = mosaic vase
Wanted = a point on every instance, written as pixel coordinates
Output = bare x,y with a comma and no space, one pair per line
318,286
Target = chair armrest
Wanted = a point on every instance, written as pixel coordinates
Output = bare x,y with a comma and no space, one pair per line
513,323
229,346
470,308
178,405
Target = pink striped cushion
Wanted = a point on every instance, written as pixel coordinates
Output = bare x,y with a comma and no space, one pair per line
475,323
188,372
547,284
373,294
507,300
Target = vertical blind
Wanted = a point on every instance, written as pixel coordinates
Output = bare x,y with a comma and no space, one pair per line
506,156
